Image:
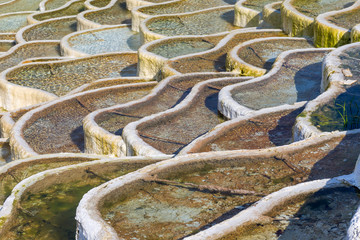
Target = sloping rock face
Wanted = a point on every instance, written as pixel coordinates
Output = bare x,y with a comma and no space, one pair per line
179,119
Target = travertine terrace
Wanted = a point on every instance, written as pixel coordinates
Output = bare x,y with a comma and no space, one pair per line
179,119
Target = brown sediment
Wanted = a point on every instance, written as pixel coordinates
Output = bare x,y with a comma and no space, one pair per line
188,123
267,130
61,123
176,90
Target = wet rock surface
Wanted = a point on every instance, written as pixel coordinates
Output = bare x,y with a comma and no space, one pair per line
322,215
274,129
214,21
298,79
214,61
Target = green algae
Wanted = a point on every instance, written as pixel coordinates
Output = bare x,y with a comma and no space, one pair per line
9,179
49,213
335,30
341,114
328,36
2,221
303,114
